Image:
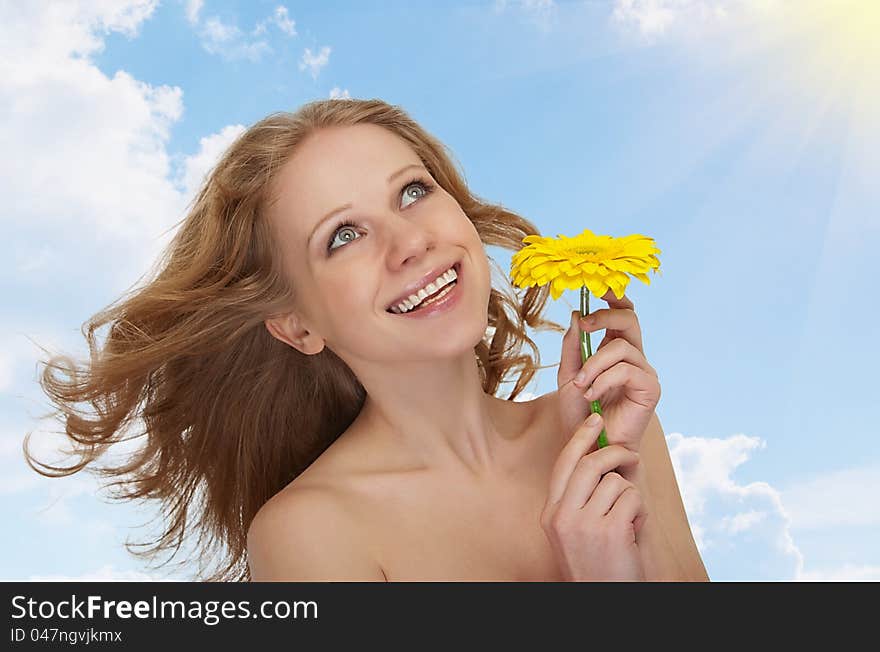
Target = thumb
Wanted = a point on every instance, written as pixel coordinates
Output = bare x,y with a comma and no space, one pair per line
570,357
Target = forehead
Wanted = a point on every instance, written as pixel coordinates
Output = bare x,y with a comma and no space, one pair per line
334,166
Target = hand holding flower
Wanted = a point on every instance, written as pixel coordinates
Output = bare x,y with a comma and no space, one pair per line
619,373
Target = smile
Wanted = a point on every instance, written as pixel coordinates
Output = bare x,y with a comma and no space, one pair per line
438,296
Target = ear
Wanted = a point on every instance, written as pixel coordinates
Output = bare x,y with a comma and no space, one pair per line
290,330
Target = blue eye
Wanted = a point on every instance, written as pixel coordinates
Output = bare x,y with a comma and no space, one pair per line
347,225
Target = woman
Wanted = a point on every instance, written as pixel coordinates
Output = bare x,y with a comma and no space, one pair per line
319,427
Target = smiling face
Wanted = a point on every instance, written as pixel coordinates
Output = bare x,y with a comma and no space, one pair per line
402,224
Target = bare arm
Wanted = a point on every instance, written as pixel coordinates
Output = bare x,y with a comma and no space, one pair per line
307,536
669,550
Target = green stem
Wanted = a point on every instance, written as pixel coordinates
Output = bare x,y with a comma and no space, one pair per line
586,352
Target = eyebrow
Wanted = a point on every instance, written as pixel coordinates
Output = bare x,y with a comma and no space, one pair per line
339,209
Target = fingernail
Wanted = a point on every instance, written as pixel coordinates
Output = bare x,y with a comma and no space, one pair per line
580,379
594,419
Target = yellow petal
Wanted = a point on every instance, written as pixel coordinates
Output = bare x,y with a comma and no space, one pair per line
599,262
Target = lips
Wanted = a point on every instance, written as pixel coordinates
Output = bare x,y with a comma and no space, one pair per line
427,278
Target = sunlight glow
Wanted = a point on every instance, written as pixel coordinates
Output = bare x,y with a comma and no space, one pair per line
841,50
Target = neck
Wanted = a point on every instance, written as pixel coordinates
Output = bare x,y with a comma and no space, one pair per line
438,413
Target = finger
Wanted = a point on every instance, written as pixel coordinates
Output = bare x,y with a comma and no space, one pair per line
618,322
640,386
613,301
583,438
598,462
619,350
570,358
605,494
590,473
629,508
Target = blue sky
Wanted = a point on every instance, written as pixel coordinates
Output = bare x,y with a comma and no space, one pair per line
741,135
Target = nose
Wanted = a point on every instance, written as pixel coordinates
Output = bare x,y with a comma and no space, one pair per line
408,239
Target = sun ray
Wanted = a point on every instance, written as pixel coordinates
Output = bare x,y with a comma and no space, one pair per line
839,48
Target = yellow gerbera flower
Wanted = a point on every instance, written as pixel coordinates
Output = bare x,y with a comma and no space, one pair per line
597,262
589,262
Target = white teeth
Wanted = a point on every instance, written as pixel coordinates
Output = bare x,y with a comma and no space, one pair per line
415,299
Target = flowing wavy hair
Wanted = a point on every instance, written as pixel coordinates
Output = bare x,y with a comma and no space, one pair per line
228,414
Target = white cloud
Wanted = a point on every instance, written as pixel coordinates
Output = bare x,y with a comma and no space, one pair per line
738,526
538,12
741,522
46,32
846,573
337,93
228,41
87,192
193,8
70,127
835,499
88,180
107,573
650,17
91,178
314,62
653,19
280,18
211,148
219,32
283,21
89,187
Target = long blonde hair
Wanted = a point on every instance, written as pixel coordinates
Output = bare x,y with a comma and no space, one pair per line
230,415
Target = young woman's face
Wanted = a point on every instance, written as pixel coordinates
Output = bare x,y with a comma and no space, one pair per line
402,226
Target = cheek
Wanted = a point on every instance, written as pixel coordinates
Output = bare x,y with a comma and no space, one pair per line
479,261
345,295
485,276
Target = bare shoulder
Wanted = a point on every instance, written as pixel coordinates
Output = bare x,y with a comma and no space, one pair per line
547,416
308,534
